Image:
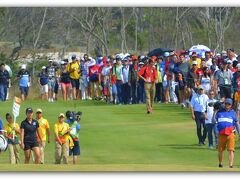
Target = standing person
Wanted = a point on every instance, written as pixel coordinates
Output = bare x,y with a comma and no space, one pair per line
24,81
208,59
198,109
184,67
168,77
73,69
206,80
126,85
51,73
227,120
11,133
44,132
43,82
74,133
56,87
117,71
159,84
141,96
84,80
223,80
65,81
236,89
29,132
113,82
210,120
107,87
149,74
94,79
4,82
61,130
133,78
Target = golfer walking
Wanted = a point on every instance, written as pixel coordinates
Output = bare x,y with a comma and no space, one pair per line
198,109
149,74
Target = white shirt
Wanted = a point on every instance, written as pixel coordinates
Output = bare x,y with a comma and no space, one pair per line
199,102
210,111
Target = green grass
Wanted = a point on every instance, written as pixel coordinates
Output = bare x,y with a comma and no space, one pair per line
125,138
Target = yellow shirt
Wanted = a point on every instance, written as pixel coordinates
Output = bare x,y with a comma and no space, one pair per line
9,129
61,129
43,126
199,62
73,69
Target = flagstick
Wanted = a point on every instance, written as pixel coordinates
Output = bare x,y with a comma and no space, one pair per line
14,127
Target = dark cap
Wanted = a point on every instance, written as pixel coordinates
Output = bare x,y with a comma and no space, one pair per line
228,101
225,61
29,110
74,57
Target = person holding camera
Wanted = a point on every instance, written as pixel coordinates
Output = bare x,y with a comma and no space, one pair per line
198,109
73,121
61,130
210,120
227,120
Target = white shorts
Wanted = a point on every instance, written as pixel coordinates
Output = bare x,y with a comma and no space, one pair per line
44,89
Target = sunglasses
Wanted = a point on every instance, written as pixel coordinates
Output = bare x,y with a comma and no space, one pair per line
227,104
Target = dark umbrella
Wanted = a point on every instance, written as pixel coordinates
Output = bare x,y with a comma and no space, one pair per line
159,52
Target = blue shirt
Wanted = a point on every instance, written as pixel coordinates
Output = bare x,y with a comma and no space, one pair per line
226,121
24,78
199,102
125,72
43,78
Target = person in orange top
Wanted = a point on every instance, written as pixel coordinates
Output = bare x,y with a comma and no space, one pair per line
149,74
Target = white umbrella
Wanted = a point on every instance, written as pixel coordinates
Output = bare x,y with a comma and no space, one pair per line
199,49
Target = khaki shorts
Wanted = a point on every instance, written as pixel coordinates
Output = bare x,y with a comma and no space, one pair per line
226,140
44,89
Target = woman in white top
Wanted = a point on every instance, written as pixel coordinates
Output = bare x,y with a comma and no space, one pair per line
206,80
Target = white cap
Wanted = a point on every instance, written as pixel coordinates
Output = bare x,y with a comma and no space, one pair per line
229,61
23,66
44,67
194,63
62,62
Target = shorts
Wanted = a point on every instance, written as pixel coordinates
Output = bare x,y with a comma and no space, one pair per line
75,83
30,145
75,150
66,85
51,84
24,90
226,140
44,89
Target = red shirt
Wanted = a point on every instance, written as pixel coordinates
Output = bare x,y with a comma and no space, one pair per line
149,73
